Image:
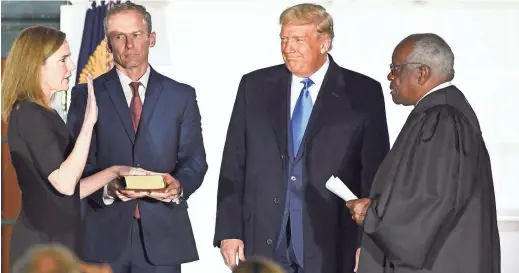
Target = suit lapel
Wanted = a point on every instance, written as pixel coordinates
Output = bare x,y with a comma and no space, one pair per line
329,102
116,93
278,98
153,91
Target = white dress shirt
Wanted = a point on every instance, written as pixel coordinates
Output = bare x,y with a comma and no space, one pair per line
297,86
128,94
438,87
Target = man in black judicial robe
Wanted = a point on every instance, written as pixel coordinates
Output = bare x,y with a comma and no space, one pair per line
432,206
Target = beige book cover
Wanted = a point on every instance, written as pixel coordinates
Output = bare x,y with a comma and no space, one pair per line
144,182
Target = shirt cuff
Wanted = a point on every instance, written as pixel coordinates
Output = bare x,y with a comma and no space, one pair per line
107,199
175,200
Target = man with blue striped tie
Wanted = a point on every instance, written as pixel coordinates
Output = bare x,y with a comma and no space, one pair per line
294,126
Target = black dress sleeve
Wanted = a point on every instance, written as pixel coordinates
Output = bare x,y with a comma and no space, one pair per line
42,141
427,190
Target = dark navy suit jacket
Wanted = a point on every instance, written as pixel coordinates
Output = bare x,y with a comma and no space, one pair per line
346,136
168,140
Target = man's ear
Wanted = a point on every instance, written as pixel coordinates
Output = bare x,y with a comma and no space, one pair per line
153,37
424,74
325,46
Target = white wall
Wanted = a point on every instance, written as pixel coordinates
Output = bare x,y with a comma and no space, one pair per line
211,44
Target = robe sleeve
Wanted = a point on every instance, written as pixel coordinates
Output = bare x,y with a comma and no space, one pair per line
426,189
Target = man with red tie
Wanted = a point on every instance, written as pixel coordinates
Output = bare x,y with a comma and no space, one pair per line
145,120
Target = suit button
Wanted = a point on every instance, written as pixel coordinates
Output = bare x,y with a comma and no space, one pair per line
293,178
276,200
269,241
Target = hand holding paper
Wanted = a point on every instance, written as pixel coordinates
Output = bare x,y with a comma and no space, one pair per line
358,209
335,185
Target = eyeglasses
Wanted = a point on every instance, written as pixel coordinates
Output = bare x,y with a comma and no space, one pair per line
395,68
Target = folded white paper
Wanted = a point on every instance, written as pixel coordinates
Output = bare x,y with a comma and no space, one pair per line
335,185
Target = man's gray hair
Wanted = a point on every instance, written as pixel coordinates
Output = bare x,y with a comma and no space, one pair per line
47,258
124,7
431,50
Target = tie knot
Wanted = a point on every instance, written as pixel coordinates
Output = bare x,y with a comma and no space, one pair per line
135,86
307,82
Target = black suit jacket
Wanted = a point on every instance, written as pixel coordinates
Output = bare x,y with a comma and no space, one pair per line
168,140
346,136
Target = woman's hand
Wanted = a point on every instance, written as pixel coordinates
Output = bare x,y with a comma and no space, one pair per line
125,171
91,106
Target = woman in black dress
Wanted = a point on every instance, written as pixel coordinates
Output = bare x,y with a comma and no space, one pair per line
48,163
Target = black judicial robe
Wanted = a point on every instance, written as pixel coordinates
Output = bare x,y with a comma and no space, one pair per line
433,205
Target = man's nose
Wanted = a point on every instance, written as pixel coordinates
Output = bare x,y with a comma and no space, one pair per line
390,76
129,43
288,47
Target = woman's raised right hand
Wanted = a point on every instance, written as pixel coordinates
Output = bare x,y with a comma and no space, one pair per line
91,106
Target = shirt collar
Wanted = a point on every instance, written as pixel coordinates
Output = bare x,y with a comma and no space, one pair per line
125,80
438,87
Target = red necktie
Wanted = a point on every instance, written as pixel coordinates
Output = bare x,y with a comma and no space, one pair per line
136,110
135,105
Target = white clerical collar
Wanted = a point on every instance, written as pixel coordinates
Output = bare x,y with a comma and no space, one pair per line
438,87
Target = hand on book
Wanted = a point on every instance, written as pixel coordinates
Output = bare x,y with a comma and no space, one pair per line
171,192
115,188
126,170
123,194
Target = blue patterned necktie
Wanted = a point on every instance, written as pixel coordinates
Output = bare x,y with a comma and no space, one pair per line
301,115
